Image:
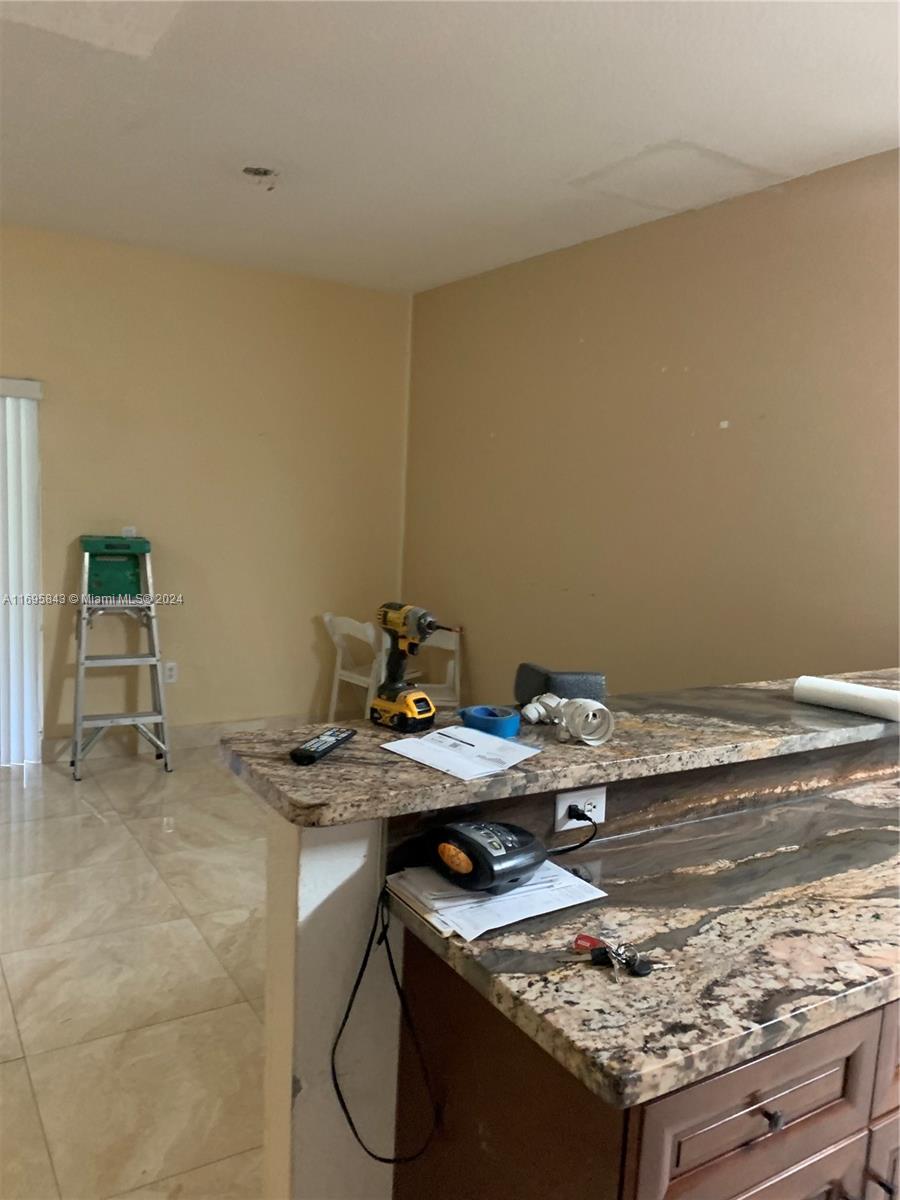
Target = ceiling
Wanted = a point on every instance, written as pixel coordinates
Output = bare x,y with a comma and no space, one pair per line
417,143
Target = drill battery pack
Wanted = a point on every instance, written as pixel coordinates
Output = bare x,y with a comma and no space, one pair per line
409,712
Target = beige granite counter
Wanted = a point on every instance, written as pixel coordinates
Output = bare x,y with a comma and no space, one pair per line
774,923
655,735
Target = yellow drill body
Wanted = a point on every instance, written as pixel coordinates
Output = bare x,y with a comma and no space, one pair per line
397,706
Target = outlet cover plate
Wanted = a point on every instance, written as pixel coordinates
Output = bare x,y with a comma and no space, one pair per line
592,800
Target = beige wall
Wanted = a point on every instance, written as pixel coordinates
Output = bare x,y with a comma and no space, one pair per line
573,495
248,422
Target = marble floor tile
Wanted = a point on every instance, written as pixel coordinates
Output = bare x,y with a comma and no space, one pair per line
200,824
182,760
39,910
142,790
62,843
123,1111
34,792
35,777
235,1178
25,1170
96,986
10,1046
238,939
223,877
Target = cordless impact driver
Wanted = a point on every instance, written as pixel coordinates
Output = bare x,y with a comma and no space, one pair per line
396,705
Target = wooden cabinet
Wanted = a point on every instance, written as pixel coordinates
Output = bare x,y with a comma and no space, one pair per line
717,1138
816,1120
883,1175
884,1159
515,1125
887,1077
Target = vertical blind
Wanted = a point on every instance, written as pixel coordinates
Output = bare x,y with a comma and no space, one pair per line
20,574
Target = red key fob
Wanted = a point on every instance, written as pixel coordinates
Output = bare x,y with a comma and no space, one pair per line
583,943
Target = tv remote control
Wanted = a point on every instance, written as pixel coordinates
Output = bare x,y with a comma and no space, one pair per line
323,743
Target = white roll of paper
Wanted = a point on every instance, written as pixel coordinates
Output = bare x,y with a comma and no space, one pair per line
852,697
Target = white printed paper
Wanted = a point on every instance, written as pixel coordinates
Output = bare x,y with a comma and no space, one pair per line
451,908
465,753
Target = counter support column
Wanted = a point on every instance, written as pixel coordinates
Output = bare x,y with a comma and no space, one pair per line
322,888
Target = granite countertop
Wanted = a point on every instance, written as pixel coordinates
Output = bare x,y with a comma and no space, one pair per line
655,734
775,922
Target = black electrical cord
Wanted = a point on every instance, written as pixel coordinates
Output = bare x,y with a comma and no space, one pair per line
576,813
380,926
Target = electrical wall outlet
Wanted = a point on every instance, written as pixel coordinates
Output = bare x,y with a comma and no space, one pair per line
592,800
170,672
129,531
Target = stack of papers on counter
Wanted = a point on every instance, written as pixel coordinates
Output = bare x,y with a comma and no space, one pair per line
465,753
451,909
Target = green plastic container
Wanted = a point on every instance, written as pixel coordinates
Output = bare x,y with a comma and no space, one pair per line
115,564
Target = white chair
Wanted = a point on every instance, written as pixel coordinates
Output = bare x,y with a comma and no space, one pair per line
444,693
360,656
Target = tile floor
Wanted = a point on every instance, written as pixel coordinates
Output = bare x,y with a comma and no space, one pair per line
131,982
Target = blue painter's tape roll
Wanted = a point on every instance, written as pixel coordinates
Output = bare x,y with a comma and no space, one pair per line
501,722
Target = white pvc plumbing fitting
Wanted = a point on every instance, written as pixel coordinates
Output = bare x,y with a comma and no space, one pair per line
541,708
588,721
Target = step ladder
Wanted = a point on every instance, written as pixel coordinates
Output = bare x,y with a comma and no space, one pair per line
117,579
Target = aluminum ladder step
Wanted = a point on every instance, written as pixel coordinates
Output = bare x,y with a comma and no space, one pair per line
96,720
121,660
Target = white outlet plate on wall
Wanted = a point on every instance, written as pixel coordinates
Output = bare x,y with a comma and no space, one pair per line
129,531
592,800
170,672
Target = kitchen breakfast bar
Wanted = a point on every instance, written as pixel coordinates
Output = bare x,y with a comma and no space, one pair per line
750,846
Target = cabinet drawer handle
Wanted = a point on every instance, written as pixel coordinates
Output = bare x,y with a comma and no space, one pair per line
774,1118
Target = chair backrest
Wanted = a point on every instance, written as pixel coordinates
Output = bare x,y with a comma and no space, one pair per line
347,635
447,639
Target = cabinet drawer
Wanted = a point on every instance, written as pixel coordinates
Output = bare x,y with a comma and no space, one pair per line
887,1071
884,1150
834,1174
720,1137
